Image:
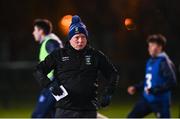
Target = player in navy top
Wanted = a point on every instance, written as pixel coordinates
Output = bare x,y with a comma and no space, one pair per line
159,80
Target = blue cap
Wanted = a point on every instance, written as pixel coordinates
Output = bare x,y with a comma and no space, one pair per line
76,27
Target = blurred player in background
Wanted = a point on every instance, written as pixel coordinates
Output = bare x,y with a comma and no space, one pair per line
159,80
76,68
48,43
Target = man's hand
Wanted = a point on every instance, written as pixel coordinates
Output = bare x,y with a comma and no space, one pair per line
147,90
154,91
55,89
131,90
106,99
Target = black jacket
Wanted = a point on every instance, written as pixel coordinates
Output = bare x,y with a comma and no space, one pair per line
77,72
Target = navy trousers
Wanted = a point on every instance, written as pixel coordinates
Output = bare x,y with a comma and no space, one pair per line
45,106
143,108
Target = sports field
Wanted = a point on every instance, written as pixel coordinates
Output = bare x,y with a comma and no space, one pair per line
115,110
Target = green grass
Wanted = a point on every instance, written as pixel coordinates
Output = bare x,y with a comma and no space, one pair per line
15,113
115,110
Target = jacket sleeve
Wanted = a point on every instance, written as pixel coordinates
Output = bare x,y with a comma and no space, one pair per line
139,86
43,68
167,71
52,45
109,72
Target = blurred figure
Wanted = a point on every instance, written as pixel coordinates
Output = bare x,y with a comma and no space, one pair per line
159,80
48,43
76,67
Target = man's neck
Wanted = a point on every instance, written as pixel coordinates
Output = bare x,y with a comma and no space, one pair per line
42,39
158,54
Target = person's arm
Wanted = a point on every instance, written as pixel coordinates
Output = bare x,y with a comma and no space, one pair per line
52,45
139,86
43,68
168,73
134,88
109,72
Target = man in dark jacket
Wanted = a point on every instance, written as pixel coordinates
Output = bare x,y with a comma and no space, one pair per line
76,69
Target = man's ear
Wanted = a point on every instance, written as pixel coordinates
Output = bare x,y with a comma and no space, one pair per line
41,32
161,48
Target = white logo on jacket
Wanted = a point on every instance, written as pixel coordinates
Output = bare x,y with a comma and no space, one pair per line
88,59
65,59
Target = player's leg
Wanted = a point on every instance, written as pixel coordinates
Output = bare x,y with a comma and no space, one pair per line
161,109
45,105
140,110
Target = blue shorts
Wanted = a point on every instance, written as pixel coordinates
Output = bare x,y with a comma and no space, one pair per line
45,106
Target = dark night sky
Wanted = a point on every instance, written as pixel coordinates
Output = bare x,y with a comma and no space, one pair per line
104,19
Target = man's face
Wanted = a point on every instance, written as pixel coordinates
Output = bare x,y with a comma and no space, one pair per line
37,33
154,49
78,41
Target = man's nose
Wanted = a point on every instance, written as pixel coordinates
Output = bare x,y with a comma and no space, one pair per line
80,40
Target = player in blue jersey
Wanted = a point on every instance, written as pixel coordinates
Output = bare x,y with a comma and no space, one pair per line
159,80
